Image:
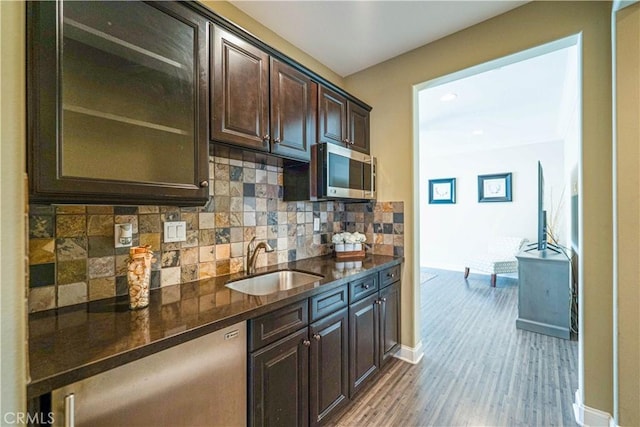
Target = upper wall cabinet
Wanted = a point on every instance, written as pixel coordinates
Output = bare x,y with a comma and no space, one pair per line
342,121
259,102
118,102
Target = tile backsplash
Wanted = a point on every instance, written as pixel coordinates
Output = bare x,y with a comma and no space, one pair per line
72,258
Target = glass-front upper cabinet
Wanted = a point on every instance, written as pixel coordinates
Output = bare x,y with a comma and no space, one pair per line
117,102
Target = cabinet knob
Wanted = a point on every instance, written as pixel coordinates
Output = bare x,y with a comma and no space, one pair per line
276,141
204,183
266,138
367,286
351,142
316,337
346,141
306,343
391,276
383,300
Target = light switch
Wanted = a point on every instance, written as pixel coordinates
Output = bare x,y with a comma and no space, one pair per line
175,231
316,224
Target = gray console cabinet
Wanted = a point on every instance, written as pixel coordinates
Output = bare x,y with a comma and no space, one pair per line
544,294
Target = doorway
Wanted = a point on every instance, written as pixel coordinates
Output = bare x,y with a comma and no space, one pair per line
496,118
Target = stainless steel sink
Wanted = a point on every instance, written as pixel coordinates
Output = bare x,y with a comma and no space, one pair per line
270,283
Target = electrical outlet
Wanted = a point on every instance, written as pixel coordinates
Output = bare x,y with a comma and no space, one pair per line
123,234
175,231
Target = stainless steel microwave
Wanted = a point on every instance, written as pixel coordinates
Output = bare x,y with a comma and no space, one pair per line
341,173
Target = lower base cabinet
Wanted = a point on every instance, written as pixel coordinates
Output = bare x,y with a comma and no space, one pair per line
305,377
279,379
329,368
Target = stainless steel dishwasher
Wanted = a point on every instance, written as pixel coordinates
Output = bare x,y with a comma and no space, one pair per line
202,382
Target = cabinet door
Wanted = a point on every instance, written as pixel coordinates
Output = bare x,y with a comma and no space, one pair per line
279,383
363,342
329,368
240,99
293,111
358,125
389,321
117,98
332,117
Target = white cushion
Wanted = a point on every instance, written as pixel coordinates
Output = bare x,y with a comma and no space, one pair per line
500,256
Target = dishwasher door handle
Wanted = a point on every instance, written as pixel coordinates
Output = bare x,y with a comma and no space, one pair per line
69,410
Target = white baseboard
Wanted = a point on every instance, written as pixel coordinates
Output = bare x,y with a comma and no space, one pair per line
586,416
410,354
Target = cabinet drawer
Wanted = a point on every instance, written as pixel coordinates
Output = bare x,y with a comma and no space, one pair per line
389,275
363,287
272,326
328,302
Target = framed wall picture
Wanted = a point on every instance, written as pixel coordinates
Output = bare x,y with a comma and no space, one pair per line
442,191
494,188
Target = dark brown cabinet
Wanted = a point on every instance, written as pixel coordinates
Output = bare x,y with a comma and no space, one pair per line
279,382
363,342
259,102
329,367
118,101
389,298
342,121
240,92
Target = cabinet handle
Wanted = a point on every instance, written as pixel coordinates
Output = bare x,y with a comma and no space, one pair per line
383,300
391,276
378,302
306,343
266,138
204,183
367,286
69,410
351,142
316,337
346,141
276,141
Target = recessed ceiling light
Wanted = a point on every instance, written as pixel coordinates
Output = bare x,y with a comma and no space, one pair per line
448,97
477,132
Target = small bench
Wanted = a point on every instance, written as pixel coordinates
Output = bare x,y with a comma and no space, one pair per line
499,259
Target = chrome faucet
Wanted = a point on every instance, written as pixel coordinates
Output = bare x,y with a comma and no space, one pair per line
252,254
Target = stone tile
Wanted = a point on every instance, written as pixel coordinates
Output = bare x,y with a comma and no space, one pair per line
169,213
236,188
236,219
148,210
41,226
223,267
221,188
72,293
42,275
170,259
122,264
207,237
206,220
207,269
74,271
191,219
170,276
235,173
122,285
71,209
42,251
192,239
188,256
223,203
102,267
236,265
100,246
43,298
221,172
71,248
222,219
125,210
207,254
35,209
249,175
152,240
71,225
249,219
100,225
149,223
223,252
222,235
189,273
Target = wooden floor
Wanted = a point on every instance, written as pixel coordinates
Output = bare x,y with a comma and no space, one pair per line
477,369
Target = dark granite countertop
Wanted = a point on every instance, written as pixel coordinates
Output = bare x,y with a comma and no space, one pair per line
72,343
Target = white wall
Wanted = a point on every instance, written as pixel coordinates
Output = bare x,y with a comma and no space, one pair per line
452,232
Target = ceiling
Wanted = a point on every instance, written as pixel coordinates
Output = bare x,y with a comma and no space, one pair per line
526,102
349,36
